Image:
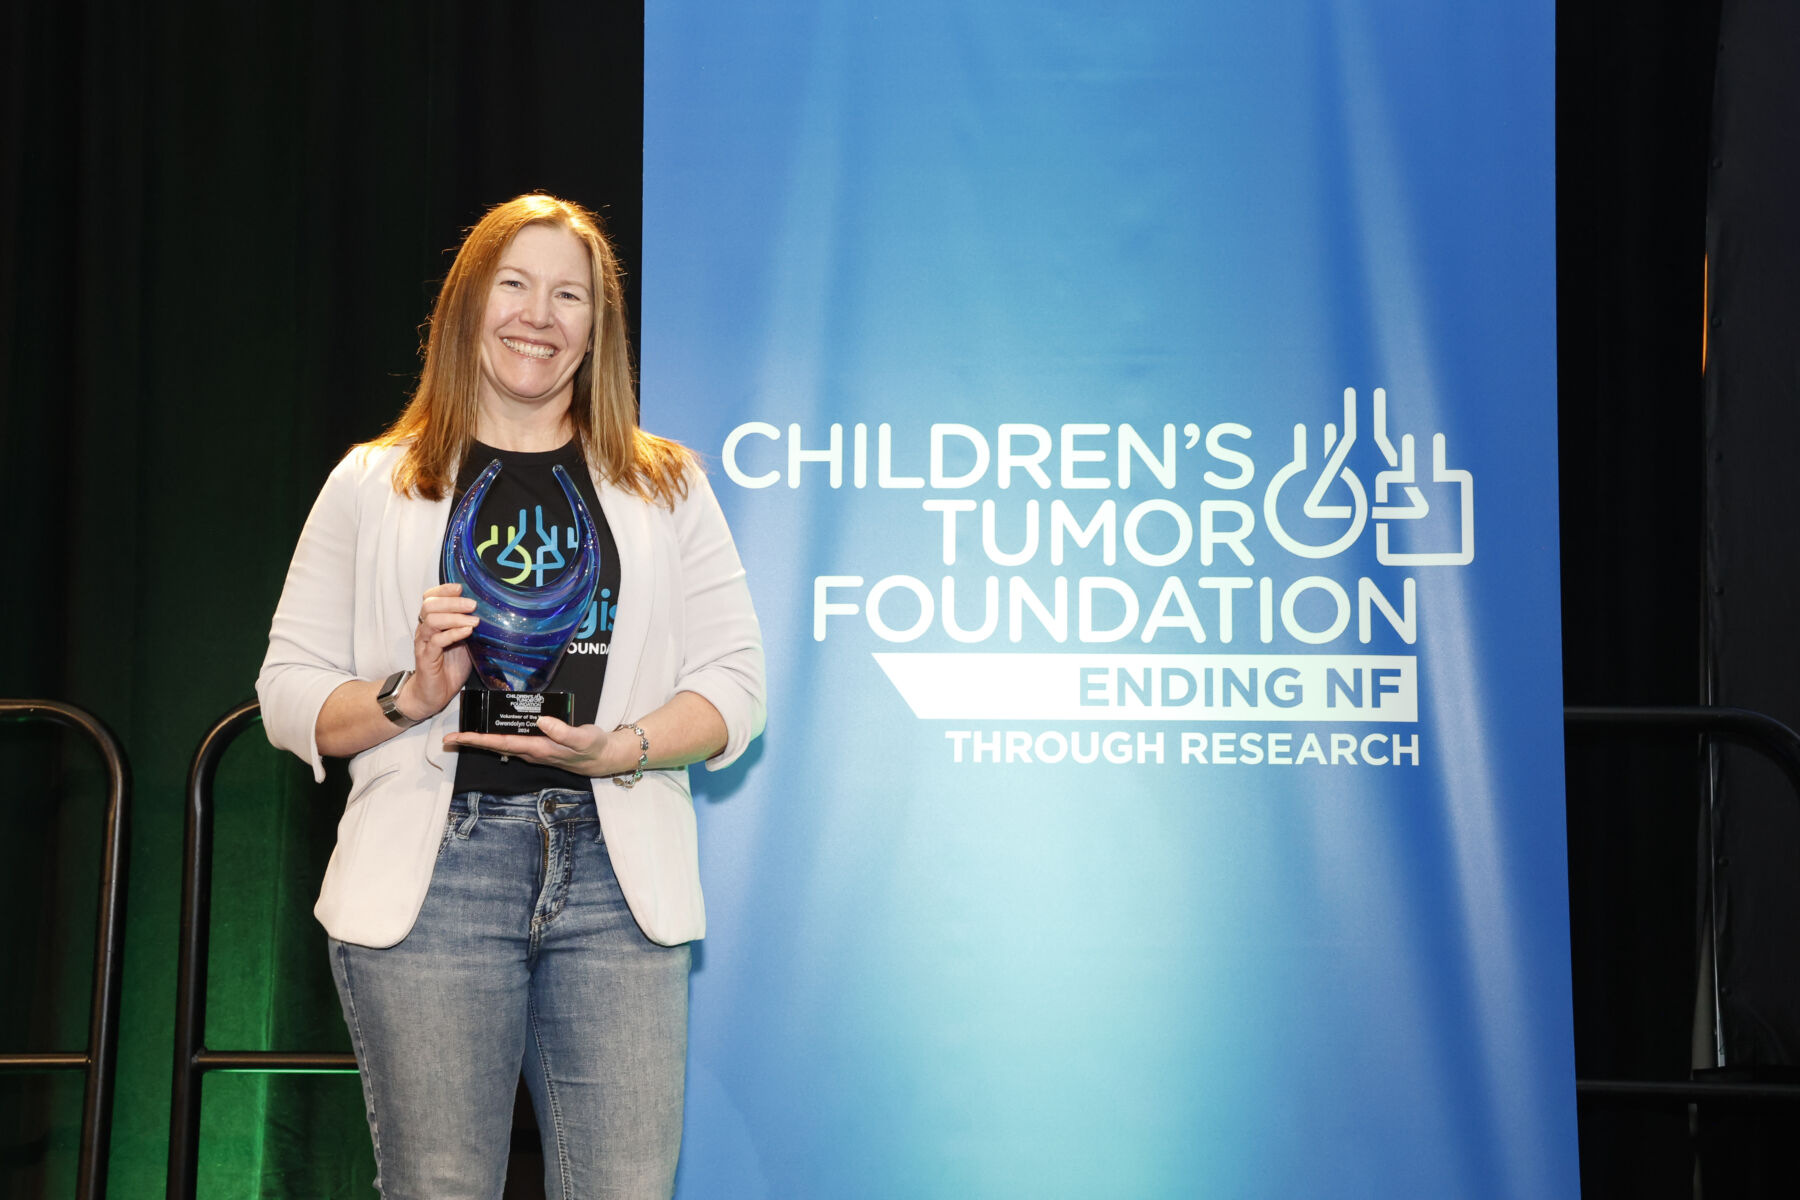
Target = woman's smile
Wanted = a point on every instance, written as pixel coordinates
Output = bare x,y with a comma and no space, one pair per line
528,349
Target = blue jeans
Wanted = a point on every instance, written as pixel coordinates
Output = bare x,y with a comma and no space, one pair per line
524,957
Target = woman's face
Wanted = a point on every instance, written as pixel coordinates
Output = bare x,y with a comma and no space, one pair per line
540,311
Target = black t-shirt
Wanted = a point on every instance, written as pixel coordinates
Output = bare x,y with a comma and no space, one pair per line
525,536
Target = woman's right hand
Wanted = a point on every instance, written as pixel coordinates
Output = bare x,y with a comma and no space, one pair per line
440,660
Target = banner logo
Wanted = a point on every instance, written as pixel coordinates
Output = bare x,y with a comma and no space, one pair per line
1224,584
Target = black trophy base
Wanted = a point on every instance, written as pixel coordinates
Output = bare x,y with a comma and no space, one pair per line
484,711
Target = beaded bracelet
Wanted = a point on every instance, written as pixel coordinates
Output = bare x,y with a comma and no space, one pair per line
643,757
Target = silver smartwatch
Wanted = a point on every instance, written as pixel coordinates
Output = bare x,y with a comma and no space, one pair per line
389,699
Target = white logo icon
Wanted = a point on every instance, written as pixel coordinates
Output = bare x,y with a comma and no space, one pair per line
1401,473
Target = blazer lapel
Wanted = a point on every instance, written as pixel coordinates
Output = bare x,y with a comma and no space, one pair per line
420,551
630,521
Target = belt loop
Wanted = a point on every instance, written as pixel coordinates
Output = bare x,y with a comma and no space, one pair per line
467,825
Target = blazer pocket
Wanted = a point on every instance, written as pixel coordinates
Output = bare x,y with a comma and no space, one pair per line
375,764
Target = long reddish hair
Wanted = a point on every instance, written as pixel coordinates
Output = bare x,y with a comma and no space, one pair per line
439,421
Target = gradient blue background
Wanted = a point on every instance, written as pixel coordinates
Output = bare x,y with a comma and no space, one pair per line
929,980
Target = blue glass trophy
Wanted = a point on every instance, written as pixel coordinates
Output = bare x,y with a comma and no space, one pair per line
523,631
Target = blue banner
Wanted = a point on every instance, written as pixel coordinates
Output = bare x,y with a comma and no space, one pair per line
1138,423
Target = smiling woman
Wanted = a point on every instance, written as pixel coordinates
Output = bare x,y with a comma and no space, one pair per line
495,903
459,376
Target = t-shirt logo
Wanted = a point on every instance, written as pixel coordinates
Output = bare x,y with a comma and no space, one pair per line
533,566
549,557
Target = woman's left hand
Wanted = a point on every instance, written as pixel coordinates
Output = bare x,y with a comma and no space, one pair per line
580,749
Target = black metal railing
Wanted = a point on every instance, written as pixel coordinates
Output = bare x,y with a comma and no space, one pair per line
100,1059
192,1057
1745,727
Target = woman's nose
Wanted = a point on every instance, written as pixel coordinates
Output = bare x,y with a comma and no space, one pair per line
537,310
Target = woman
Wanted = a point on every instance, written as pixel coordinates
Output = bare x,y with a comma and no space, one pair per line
498,903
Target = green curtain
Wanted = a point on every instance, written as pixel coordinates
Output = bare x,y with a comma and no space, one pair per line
223,225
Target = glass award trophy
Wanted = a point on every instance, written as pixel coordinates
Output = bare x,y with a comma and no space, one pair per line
523,631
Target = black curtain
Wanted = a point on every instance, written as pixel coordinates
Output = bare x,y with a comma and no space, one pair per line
1634,83
1676,264
221,226
1752,415
1753,429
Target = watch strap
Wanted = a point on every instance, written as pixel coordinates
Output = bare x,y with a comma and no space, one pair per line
389,699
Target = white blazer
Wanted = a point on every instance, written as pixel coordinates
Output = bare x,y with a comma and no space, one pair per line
348,611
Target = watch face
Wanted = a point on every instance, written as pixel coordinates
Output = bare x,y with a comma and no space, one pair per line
388,699
391,686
